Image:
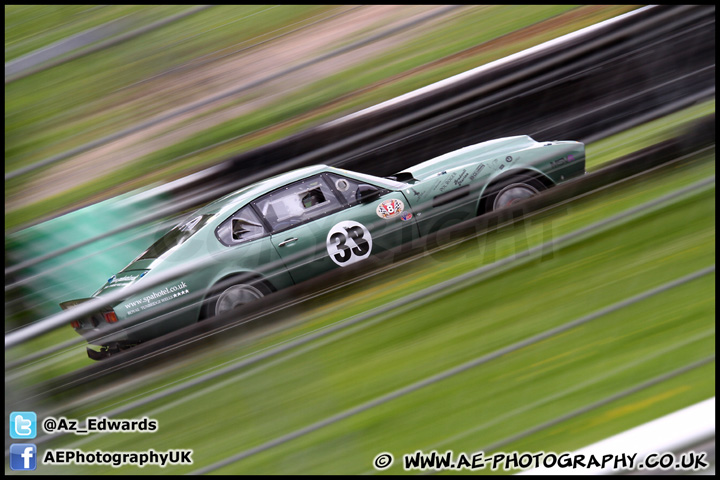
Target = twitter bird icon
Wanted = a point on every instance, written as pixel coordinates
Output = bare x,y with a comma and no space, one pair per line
23,425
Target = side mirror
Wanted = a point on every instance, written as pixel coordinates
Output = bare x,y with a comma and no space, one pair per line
366,193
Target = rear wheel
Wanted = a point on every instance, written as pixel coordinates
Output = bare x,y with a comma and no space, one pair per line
227,297
511,191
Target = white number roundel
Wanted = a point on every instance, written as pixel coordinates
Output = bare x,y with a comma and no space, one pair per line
348,242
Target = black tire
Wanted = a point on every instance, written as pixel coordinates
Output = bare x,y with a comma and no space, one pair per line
228,295
510,191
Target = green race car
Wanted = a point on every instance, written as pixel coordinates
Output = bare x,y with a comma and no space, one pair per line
300,224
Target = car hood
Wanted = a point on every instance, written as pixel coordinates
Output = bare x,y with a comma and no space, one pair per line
469,154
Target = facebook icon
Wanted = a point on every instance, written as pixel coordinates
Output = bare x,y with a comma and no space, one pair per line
23,456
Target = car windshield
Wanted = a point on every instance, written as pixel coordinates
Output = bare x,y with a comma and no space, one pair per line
177,236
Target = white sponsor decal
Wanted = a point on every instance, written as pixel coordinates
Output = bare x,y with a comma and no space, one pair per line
156,298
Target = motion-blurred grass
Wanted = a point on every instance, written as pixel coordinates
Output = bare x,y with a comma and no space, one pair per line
645,135
69,105
31,27
484,404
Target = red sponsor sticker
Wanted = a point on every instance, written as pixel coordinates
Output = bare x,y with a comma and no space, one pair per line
390,208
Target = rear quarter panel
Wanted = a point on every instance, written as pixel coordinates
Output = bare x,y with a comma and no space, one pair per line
178,303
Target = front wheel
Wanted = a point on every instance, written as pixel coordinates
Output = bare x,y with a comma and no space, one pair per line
512,191
226,298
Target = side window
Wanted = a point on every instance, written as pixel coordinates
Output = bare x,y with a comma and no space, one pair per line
298,203
243,226
176,236
346,186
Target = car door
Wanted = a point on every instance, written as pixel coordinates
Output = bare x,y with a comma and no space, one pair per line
249,238
319,223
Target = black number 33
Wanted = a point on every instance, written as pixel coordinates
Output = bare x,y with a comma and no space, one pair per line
344,252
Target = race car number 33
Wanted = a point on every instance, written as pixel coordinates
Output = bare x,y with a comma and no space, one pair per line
348,242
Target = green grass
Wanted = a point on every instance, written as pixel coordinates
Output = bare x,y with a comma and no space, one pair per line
494,401
484,404
46,111
645,135
32,27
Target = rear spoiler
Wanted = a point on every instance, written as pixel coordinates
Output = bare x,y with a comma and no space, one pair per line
73,303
